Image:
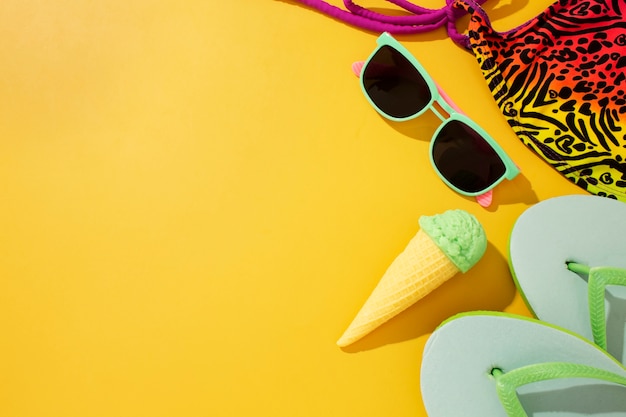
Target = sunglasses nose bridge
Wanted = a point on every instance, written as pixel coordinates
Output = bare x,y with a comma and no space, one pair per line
442,109
434,109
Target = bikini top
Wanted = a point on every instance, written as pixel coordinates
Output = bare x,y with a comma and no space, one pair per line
559,79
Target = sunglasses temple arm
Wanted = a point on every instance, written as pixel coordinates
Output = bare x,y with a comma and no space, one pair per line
448,100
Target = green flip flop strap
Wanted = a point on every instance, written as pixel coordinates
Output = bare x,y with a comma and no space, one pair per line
508,382
599,279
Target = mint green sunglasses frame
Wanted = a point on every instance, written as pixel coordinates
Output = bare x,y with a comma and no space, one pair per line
455,114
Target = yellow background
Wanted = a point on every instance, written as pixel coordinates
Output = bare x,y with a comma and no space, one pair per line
196,199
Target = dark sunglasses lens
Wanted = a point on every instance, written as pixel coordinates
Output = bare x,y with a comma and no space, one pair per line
465,158
394,84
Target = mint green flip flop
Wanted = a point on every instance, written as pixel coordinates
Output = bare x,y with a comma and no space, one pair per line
568,259
501,365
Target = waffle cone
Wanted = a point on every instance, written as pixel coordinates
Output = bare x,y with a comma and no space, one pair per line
417,271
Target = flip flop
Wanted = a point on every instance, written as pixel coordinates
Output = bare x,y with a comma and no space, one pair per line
568,259
486,364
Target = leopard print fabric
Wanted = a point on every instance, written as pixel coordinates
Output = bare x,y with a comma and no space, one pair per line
560,81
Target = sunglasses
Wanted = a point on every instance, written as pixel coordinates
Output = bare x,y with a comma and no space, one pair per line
466,158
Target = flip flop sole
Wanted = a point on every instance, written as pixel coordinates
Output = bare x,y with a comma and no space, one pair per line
460,355
586,229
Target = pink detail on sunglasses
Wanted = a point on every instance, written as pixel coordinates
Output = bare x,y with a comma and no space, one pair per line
357,67
485,199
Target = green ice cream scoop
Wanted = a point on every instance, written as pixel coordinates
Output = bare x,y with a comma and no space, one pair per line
458,234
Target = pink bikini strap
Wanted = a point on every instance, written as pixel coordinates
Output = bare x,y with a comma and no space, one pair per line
420,20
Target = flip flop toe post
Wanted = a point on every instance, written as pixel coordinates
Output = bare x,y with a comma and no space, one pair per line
501,365
568,259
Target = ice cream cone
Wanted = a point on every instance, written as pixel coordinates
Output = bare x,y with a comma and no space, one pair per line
446,244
